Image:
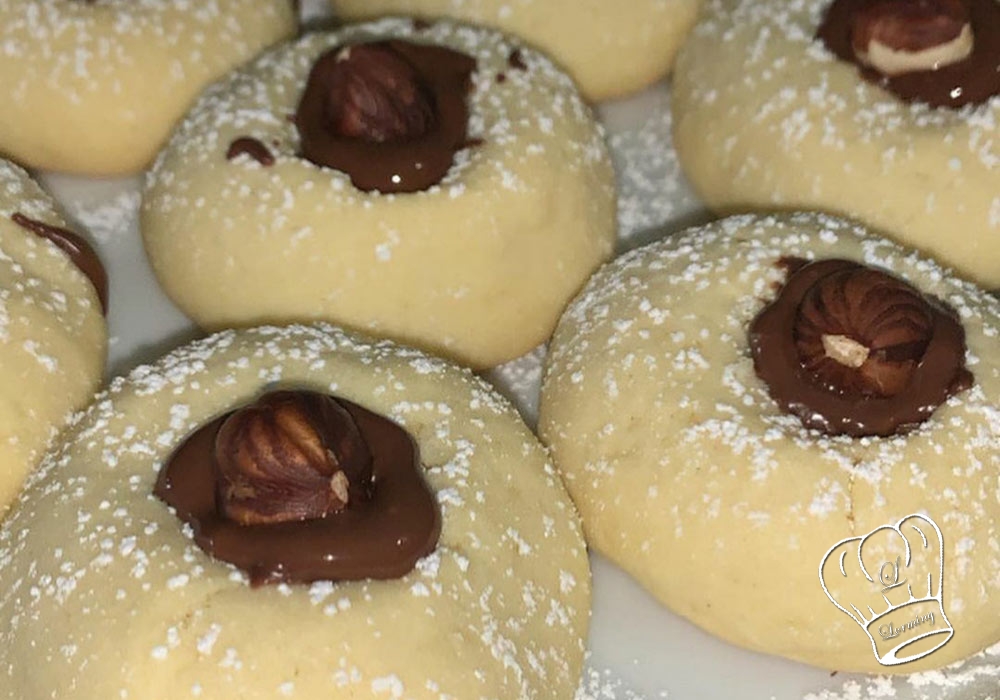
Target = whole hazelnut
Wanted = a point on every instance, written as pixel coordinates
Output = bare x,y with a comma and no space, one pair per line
862,332
290,456
853,350
376,95
903,36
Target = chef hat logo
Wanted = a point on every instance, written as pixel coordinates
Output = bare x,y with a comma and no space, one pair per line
890,582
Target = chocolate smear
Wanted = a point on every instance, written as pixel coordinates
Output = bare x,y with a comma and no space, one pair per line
81,253
516,60
251,147
300,487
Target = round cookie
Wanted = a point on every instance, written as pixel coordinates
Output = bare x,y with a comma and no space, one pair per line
96,86
476,267
690,475
767,117
611,49
53,338
107,595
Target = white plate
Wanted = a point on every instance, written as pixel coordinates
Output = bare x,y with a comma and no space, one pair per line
640,649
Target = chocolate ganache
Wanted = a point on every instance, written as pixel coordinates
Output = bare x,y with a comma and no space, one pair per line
957,40
852,350
79,251
390,114
299,487
254,148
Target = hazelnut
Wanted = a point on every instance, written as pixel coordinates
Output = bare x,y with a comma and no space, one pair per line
290,456
862,332
845,350
375,94
852,350
903,36
391,114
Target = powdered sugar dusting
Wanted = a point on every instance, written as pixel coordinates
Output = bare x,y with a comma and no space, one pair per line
975,678
641,382
653,196
519,381
247,103
101,480
590,316
767,118
108,219
604,684
90,63
36,272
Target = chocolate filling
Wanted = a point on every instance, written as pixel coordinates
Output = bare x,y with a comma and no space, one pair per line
389,114
516,60
852,350
386,525
79,251
972,81
251,147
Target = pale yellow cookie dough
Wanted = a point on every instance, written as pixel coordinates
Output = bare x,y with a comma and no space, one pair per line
53,339
96,87
477,268
106,596
689,476
766,118
610,48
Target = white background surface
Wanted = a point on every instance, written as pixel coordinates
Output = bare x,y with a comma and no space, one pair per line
648,651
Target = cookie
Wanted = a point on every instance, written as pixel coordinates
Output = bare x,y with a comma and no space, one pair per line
610,49
53,339
460,571
437,185
779,107
725,413
95,87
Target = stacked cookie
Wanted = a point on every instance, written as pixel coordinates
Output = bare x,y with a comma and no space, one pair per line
290,508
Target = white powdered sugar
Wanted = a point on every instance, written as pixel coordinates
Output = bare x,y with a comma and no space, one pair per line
109,219
975,678
248,103
123,535
38,276
654,198
103,37
604,684
519,381
704,399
